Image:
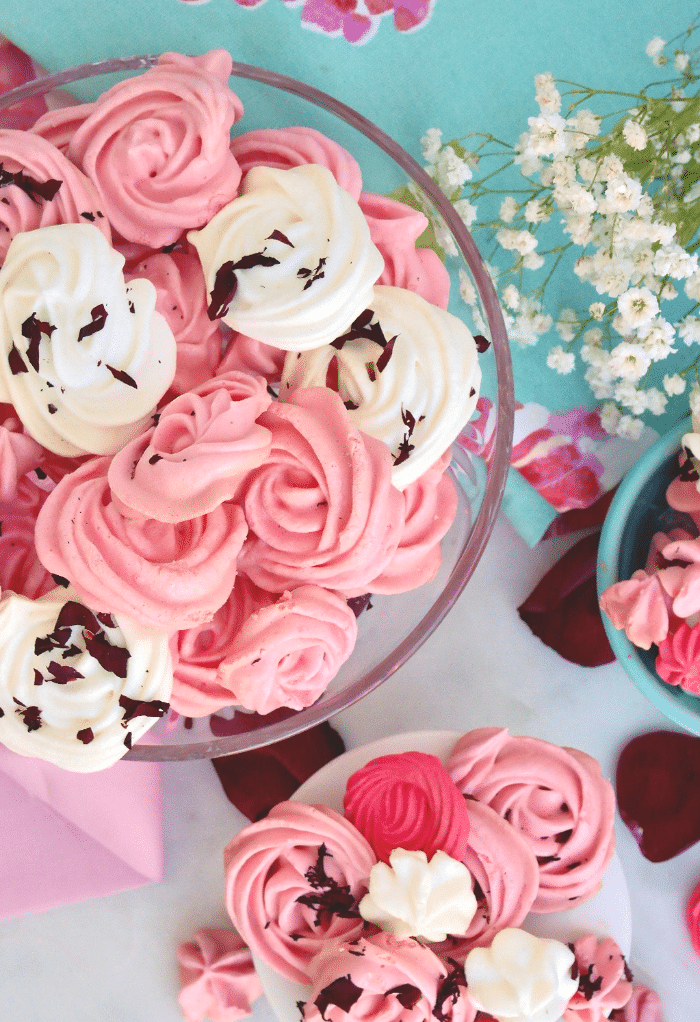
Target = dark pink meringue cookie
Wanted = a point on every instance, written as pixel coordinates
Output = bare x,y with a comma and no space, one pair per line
181,297
431,505
218,978
692,918
196,457
167,576
322,509
505,881
603,983
408,801
678,660
24,208
198,651
20,568
293,884
19,453
395,228
287,653
382,978
157,147
556,798
291,147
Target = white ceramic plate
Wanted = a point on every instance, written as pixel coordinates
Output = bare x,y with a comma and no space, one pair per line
608,914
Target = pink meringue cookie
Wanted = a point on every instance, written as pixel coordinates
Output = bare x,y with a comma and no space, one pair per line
291,147
218,979
505,879
167,576
250,356
381,977
431,505
198,651
197,455
655,561
287,653
643,1006
63,195
407,801
603,983
640,606
157,147
181,299
20,568
686,595
678,660
322,509
293,883
556,798
19,453
395,228
59,126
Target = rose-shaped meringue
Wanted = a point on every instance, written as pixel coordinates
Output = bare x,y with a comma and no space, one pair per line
198,651
412,897
684,584
20,568
290,262
218,979
198,453
167,576
284,148
293,881
505,876
84,359
643,1006
407,801
692,918
603,985
407,371
521,978
678,660
430,508
379,977
251,356
287,653
76,689
395,228
181,300
157,147
49,189
640,606
322,509
58,126
556,798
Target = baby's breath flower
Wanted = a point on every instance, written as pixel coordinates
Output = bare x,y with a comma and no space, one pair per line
637,306
533,261
692,287
610,415
622,194
466,288
451,171
508,210
535,212
466,211
562,361
511,296
634,134
656,401
547,96
431,144
516,241
597,310
567,324
657,338
629,428
654,50
629,361
581,128
611,166
674,261
628,394
547,135
689,330
674,384
694,400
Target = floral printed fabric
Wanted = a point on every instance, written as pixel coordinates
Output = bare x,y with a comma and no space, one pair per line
356,20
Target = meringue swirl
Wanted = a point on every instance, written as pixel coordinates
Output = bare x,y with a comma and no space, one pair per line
276,872
678,660
297,256
84,359
78,700
157,147
556,798
167,576
602,985
408,373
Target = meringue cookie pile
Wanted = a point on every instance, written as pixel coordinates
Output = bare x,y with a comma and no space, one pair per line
411,905
229,384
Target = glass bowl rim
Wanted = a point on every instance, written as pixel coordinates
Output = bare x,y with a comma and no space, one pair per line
661,695
485,519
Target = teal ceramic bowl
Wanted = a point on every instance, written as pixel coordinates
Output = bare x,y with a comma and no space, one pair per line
639,510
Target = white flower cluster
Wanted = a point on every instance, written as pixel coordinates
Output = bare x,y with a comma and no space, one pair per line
628,228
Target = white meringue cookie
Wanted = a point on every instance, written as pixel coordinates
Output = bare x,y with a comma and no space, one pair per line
317,266
416,898
84,357
521,978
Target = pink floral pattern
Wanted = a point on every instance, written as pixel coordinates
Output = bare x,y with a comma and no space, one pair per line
355,20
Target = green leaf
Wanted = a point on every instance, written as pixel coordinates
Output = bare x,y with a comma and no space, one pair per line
427,238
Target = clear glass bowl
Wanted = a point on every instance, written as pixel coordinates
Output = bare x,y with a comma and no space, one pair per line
638,510
395,626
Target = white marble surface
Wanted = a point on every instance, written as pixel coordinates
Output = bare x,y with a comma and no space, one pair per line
113,959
